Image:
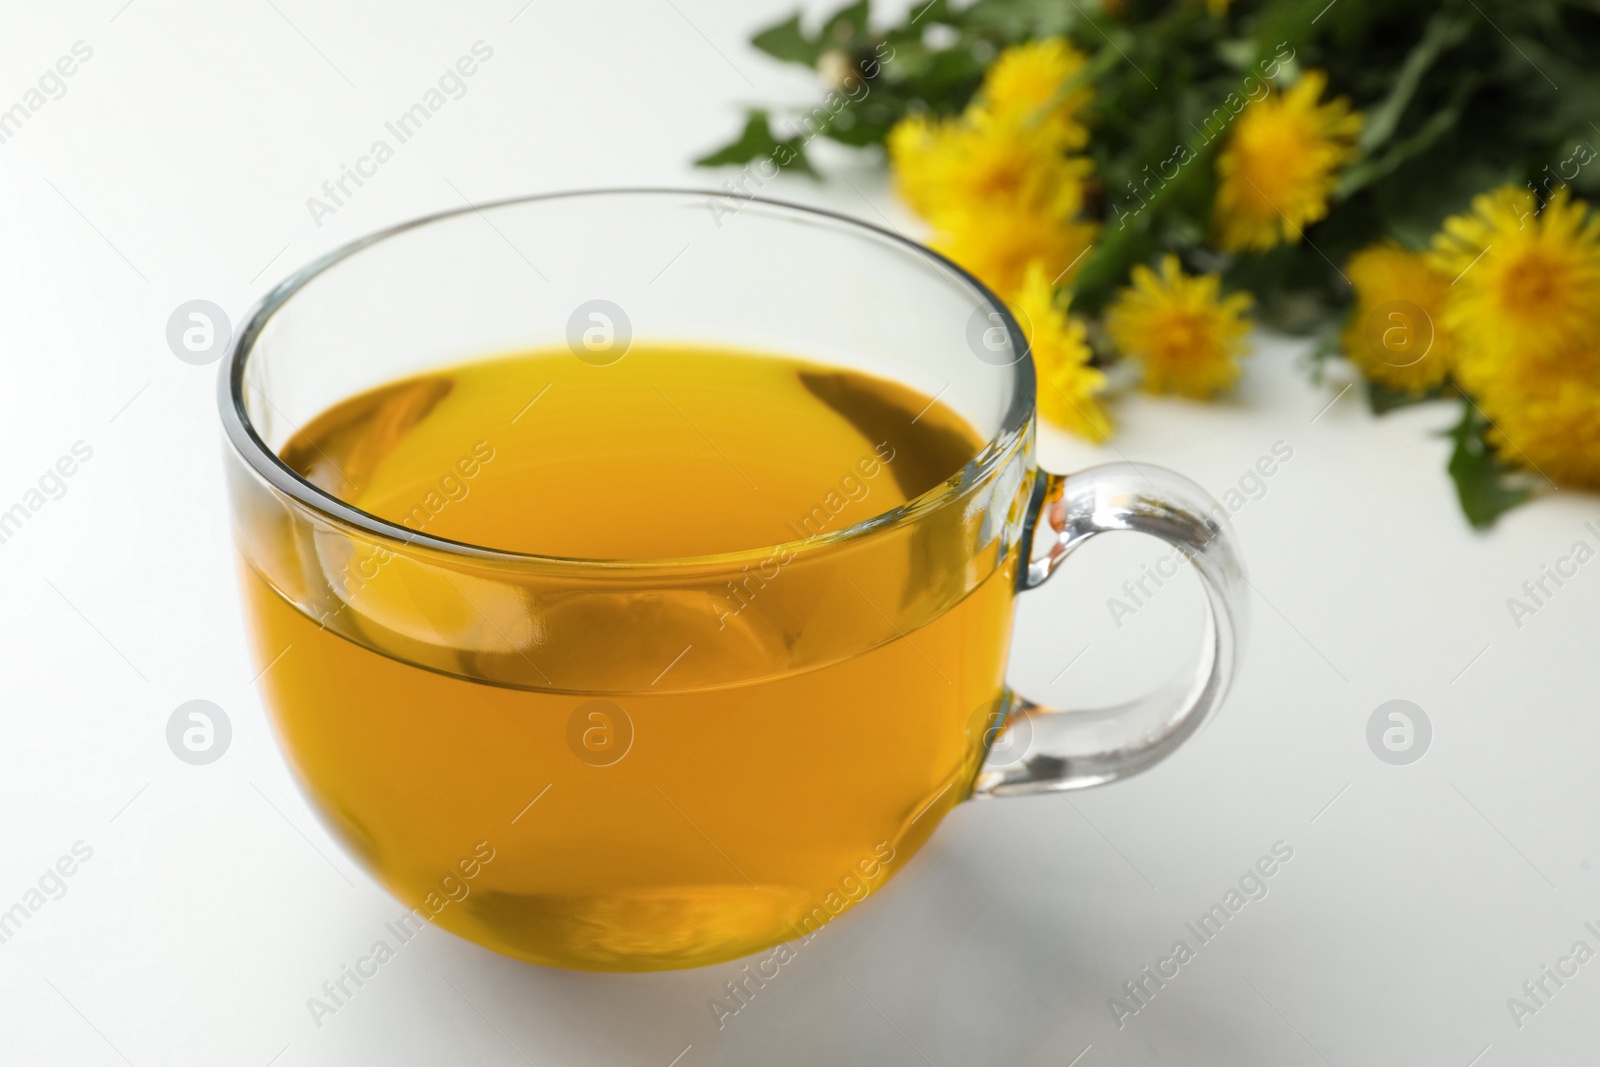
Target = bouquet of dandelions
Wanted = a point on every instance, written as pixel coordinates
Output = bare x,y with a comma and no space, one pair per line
1402,180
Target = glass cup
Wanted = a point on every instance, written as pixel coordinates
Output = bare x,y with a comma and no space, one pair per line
599,763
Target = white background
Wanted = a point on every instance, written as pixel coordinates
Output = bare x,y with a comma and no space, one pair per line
177,166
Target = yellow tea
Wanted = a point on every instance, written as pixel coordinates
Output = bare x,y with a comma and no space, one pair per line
650,780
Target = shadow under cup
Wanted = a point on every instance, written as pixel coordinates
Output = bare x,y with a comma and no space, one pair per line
590,763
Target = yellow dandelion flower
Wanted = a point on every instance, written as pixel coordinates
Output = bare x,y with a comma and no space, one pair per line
998,183
1187,339
1280,165
1216,8
997,242
1027,78
1552,425
977,159
1525,303
1397,334
1526,290
917,148
1069,388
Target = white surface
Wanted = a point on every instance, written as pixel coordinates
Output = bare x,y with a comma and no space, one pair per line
177,166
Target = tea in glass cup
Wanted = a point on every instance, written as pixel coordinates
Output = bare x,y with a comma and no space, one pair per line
621,616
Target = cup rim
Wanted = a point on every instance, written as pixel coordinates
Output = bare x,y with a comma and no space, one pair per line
267,465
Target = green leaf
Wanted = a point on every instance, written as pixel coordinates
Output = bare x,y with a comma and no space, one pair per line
1413,210
787,41
1131,238
1369,169
859,126
755,140
1240,53
1444,31
845,27
1017,20
1091,72
758,142
927,12
1480,476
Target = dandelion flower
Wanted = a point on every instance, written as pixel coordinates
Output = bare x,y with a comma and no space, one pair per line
1028,78
1069,388
1186,337
997,242
1396,333
918,147
1281,164
1525,303
998,184
1552,426
979,159
1526,287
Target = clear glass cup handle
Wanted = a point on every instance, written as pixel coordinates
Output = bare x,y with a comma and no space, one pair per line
1049,749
